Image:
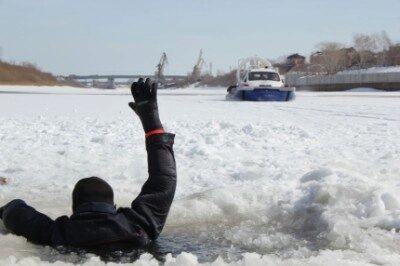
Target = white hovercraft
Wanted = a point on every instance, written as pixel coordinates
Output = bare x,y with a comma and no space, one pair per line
257,80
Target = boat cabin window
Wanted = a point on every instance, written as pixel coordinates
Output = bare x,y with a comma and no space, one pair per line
264,76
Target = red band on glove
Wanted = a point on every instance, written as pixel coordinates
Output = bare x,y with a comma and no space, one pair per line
154,132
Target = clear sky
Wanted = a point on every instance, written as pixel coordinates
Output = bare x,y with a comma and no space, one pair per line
128,36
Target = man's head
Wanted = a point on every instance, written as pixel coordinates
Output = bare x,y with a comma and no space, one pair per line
92,189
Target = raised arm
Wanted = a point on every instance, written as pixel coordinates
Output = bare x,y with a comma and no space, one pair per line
155,198
25,221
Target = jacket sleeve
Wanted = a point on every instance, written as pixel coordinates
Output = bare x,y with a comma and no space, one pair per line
25,221
155,198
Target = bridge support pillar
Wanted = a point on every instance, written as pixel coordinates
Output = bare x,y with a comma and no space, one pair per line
110,83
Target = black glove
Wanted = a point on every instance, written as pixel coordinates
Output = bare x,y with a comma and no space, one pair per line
145,105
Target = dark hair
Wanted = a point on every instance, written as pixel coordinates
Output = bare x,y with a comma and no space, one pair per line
92,189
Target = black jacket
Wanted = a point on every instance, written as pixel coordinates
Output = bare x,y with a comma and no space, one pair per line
93,224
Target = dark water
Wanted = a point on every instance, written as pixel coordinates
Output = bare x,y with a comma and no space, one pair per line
206,248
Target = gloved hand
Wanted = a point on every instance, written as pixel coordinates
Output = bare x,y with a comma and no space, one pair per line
145,105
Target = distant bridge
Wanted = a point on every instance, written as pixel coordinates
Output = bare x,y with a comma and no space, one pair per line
110,80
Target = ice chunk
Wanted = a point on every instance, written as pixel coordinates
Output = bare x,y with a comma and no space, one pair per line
316,175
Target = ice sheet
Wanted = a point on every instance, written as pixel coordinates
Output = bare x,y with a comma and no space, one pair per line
309,182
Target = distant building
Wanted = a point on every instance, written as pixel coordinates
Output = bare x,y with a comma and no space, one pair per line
295,60
393,55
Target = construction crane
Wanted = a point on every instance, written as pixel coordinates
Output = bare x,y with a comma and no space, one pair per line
198,67
159,75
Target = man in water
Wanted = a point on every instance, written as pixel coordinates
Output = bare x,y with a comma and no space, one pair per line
95,220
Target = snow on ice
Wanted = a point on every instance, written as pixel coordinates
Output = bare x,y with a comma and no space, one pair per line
373,70
309,182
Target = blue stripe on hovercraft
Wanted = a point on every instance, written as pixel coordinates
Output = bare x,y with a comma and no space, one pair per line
266,95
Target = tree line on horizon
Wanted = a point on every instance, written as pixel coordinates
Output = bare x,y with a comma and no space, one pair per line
366,51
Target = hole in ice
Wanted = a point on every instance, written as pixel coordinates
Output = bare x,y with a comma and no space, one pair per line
206,247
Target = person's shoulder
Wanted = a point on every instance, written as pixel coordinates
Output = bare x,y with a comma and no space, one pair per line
123,210
128,213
